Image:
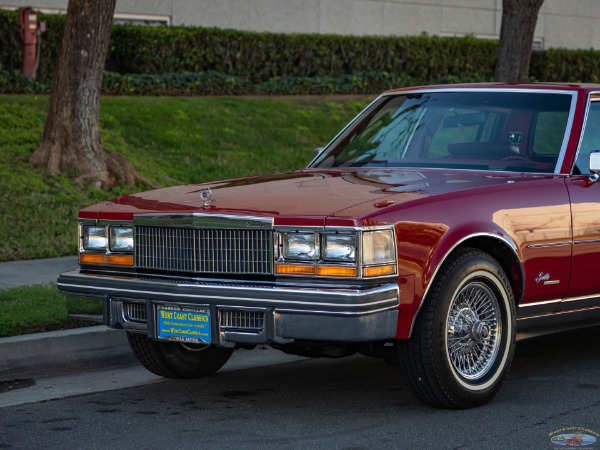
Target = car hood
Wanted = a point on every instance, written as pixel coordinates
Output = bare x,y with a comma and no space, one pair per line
312,194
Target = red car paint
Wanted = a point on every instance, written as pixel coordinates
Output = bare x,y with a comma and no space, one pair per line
549,222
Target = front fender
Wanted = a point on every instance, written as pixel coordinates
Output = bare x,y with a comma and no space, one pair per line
414,287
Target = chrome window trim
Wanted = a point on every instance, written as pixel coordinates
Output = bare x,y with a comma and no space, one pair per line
583,128
568,129
343,130
427,90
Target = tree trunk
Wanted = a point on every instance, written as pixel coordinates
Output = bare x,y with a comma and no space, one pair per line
71,141
519,18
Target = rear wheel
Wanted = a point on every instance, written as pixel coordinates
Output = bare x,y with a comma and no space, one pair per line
463,342
177,360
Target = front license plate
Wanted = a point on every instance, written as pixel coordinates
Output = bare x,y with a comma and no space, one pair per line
182,324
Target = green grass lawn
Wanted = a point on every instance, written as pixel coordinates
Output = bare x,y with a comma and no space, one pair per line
31,309
169,141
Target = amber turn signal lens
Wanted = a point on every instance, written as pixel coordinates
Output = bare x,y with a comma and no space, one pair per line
120,260
295,269
337,271
92,258
378,271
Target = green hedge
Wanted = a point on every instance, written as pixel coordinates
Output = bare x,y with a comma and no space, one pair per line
13,82
214,83
581,66
178,60
260,57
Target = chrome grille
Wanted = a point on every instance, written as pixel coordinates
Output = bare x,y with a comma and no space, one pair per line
241,320
202,250
135,312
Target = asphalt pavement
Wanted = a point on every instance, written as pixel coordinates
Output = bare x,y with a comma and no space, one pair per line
56,351
35,271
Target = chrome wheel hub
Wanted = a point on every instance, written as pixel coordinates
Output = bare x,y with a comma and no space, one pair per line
481,331
473,330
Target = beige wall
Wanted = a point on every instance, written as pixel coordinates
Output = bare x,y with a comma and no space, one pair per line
562,23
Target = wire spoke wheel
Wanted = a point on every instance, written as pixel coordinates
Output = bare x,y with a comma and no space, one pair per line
463,340
474,331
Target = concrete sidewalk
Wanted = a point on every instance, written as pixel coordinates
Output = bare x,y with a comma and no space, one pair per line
35,271
56,351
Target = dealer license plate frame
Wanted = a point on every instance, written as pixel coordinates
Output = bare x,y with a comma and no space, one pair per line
182,323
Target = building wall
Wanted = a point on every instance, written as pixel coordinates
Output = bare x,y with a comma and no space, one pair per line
562,23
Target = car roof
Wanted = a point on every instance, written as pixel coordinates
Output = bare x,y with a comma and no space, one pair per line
579,87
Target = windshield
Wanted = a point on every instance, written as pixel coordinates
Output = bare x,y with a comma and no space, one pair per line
499,130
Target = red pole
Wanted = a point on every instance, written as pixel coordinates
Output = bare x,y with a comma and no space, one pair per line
29,25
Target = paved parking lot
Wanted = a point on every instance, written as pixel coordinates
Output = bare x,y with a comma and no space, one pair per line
352,403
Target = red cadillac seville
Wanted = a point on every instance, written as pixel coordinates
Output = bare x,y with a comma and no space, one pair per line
439,225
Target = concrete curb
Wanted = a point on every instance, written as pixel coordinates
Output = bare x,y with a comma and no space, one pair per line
57,351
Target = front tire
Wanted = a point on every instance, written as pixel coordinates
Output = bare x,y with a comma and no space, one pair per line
463,342
177,360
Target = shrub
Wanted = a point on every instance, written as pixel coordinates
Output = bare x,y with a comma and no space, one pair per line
211,61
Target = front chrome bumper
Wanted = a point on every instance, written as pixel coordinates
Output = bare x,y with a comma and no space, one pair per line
289,312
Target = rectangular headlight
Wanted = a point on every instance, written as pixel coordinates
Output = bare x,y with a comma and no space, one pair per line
339,247
121,239
378,247
94,238
301,246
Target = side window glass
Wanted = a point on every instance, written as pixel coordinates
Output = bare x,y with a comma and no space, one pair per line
590,141
549,133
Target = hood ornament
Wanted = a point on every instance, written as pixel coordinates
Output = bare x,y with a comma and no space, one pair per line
206,196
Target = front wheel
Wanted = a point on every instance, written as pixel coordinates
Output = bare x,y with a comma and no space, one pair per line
177,360
463,342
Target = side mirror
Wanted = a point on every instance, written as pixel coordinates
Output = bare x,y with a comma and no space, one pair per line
595,165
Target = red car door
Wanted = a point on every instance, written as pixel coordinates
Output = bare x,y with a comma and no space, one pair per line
585,203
